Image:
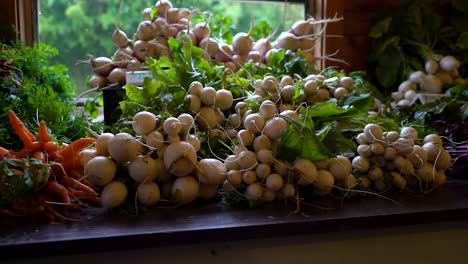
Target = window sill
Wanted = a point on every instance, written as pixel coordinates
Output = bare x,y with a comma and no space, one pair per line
218,222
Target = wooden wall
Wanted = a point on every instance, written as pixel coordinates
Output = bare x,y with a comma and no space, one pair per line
353,45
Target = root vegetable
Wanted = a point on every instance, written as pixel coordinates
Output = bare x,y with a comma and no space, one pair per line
267,109
223,99
274,182
249,177
144,122
449,63
102,66
245,137
340,167
97,81
263,170
265,156
208,191
254,123
194,103
324,182
360,164
123,147
261,142
185,190
144,169
202,30
231,163
208,95
373,132
172,126
148,193
375,174
186,120
155,139
113,195
247,160
433,138
146,31
179,150
431,66
431,84
101,144
306,170
117,75
254,191
275,127
207,118
234,177
211,171
100,170
364,151
120,39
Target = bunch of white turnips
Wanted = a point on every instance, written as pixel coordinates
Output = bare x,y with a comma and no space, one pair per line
428,85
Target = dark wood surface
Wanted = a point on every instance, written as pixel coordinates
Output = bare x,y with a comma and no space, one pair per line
99,231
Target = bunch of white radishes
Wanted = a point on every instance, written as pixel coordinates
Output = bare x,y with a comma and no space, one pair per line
430,82
152,34
400,158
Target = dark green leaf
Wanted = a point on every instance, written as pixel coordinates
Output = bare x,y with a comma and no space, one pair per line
381,27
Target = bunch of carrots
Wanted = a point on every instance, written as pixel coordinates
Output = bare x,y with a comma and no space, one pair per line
64,186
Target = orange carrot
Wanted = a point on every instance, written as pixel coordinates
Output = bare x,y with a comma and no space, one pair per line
44,135
75,184
20,129
50,147
54,187
75,147
4,153
38,155
35,146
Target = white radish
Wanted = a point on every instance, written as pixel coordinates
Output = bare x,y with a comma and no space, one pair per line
123,147
144,122
179,150
254,122
223,99
185,190
211,171
144,169
148,193
249,177
208,95
101,144
100,170
172,126
274,182
449,63
324,182
263,170
242,42
254,191
206,118
247,160
102,66
340,167
306,170
275,128
373,132
146,31
360,164
113,195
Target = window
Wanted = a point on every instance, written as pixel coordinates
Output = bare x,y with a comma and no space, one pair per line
78,28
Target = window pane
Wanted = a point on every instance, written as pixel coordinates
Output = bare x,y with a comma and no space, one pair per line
81,27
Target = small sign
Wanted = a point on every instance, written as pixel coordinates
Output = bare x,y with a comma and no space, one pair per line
137,77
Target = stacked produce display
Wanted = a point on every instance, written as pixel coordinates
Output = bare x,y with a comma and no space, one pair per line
251,122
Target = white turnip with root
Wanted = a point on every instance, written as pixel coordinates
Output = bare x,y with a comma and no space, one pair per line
140,49
416,77
210,45
154,139
245,137
431,66
373,132
263,170
249,177
443,161
176,151
146,31
163,6
172,126
431,84
123,147
184,190
208,95
224,53
340,92
406,86
340,167
202,30
234,177
206,118
306,171
224,99
113,195
208,191
247,160
254,123
398,180
378,148
101,144
86,155
274,182
144,122
267,109
242,42
375,174
148,193
194,102
134,65
265,156
194,141
324,182
433,138
254,191
360,164
211,171
418,156
261,142
231,163
102,66
117,75
144,169
275,128
100,170
449,63
364,150
391,136
97,81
